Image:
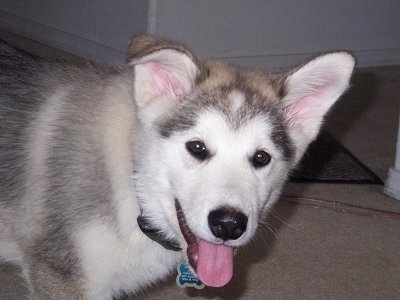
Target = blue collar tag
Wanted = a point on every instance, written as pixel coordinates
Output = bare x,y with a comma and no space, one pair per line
186,278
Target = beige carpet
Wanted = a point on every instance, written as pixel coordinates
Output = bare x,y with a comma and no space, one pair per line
309,248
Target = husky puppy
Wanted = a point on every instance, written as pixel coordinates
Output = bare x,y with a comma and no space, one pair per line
110,177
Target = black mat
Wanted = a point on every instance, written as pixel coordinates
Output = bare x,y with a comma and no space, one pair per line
327,161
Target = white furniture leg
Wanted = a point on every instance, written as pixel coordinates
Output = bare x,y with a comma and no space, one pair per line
392,185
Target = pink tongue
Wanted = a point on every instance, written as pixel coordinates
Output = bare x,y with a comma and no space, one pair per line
215,264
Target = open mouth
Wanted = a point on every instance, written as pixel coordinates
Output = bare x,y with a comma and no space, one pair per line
213,263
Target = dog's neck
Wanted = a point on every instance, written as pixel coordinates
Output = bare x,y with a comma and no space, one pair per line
147,227
156,235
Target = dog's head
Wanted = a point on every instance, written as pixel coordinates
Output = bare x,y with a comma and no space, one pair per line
220,141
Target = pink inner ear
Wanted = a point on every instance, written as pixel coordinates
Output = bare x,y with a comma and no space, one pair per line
307,107
164,81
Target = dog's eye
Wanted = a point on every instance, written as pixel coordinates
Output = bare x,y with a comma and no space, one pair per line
261,159
197,149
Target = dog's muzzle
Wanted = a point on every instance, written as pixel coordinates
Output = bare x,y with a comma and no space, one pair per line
212,262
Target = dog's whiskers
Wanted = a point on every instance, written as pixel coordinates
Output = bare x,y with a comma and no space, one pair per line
275,215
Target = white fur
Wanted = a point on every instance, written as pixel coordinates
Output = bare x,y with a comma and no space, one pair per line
115,264
119,257
39,139
228,178
237,98
10,251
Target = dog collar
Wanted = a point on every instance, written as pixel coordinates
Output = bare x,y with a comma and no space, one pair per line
146,227
156,235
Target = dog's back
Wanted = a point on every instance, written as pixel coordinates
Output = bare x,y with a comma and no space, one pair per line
32,99
55,174
19,103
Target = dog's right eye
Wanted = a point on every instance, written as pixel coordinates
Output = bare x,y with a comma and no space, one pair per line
197,149
261,159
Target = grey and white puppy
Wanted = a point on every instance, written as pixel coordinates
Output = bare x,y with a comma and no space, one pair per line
110,177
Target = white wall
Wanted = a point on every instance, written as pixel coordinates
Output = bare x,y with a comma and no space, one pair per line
269,34
280,33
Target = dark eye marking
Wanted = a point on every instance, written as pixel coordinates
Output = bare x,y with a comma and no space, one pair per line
261,159
197,149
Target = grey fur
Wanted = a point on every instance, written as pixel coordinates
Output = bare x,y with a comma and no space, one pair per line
256,104
77,188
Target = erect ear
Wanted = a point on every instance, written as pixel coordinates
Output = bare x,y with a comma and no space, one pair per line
311,90
162,70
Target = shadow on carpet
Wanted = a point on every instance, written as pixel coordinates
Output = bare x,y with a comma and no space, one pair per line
327,161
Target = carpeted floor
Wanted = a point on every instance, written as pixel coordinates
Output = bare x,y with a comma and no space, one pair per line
322,241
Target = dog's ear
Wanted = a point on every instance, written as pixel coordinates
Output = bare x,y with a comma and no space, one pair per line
309,92
162,69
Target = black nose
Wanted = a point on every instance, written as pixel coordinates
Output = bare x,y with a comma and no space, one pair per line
227,223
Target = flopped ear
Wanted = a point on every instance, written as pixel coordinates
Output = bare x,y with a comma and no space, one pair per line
310,91
162,70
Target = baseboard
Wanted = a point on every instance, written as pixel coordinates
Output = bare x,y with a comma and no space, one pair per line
103,53
392,185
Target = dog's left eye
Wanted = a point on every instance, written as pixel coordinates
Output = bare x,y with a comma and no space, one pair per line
261,159
197,149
